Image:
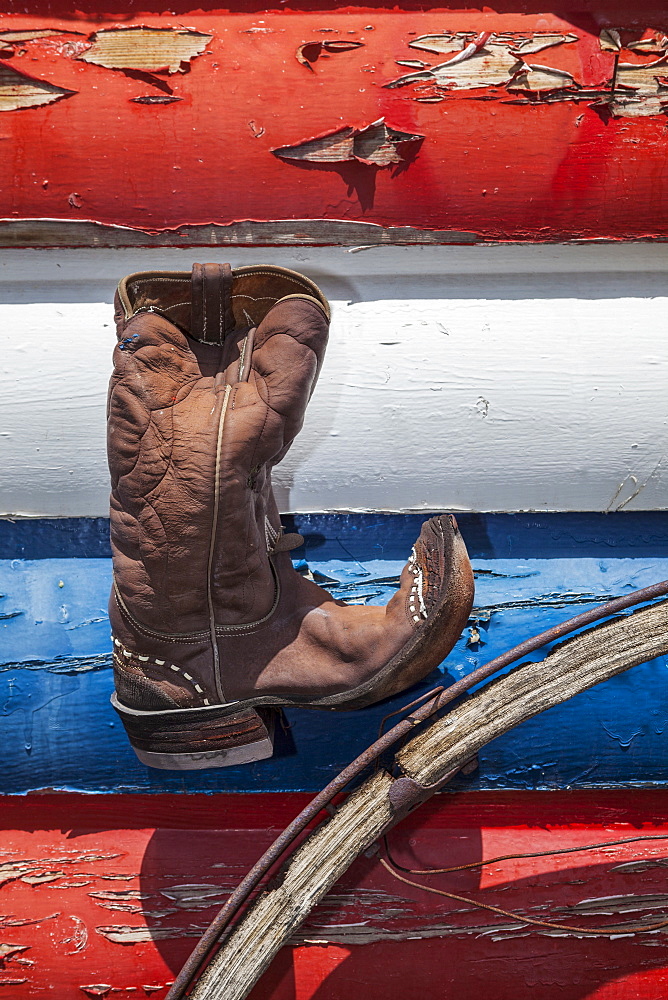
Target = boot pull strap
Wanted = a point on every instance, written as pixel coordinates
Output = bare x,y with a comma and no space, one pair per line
211,316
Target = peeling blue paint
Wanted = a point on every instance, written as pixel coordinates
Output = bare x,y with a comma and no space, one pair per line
60,731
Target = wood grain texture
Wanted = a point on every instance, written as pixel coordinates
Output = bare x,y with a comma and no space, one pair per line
572,667
542,132
325,855
40,233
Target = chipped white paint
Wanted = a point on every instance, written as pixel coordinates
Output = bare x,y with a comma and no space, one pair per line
466,378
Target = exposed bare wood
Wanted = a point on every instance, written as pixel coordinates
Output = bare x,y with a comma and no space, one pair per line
642,77
325,855
30,35
637,107
490,65
541,78
289,232
17,90
522,44
150,49
377,145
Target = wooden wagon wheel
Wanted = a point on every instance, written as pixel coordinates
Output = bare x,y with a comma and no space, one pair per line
423,765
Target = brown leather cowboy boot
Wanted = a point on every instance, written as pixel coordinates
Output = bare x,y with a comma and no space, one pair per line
211,624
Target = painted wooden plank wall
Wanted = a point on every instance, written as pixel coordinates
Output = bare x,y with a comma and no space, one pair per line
515,123
102,901
59,730
479,378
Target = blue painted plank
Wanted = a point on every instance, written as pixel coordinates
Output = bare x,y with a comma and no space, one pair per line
60,732
385,536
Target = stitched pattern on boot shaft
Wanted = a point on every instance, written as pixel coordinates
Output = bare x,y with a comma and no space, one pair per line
162,458
148,681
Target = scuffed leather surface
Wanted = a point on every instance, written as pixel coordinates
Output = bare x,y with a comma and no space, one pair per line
171,561
164,407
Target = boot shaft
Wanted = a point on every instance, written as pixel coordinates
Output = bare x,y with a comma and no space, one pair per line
212,375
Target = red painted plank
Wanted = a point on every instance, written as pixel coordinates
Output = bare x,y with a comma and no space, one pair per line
273,810
110,892
496,162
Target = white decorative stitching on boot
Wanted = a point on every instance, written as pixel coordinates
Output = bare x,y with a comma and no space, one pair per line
127,653
416,603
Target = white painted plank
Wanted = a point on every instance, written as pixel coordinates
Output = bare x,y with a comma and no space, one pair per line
466,378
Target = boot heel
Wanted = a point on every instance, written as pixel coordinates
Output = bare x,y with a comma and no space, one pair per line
194,738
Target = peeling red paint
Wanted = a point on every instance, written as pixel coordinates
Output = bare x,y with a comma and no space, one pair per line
377,145
388,939
481,112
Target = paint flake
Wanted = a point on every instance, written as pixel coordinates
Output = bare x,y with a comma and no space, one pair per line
10,871
40,879
656,44
447,42
31,34
155,99
536,43
19,91
120,894
310,52
8,950
539,79
11,921
125,934
195,897
610,40
611,905
491,65
150,49
377,145
642,77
